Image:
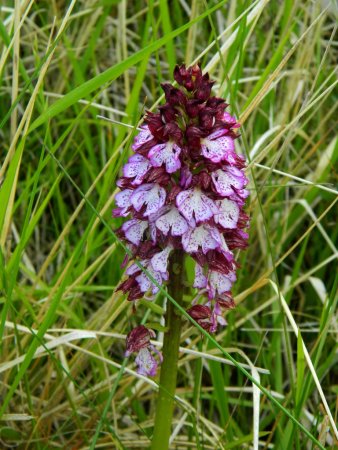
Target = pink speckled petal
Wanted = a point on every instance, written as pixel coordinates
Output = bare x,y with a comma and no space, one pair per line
193,203
216,150
200,281
143,282
159,278
189,242
139,196
203,236
131,270
159,261
163,224
219,283
205,208
155,200
147,364
123,198
228,213
137,167
182,196
167,154
151,195
172,220
143,137
178,224
134,230
156,155
184,204
224,180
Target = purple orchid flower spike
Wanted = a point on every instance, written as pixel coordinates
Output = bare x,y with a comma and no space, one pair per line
183,189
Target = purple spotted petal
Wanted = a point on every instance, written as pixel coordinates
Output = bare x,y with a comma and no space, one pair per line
201,280
143,137
216,149
194,205
131,270
122,200
152,195
172,221
159,261
137,167
220,283
204,236
145,283
225,180
147,364
168,154
228,213
134,230
239,196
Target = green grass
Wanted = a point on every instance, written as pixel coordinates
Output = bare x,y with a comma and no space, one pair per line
61,65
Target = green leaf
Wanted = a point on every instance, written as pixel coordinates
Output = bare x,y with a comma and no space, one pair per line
300,367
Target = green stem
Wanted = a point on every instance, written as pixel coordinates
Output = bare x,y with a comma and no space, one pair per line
171,342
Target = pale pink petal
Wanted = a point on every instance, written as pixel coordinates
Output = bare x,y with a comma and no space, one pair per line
173,221
225,180
131,270
156,154
193,204
185,205
228,213
203,236
149,194
123,198
216,150
147,364
205,208
143,137
239,196
134,230
220,283
178,224
200,281
167,154
159,261
145,283
137,167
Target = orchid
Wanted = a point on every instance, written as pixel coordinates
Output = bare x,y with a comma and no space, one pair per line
184,190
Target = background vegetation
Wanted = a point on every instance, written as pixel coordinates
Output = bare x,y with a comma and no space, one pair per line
64,381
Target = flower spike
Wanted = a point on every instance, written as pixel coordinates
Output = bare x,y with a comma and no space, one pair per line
184,189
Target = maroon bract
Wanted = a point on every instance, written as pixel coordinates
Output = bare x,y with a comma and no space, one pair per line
184,188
